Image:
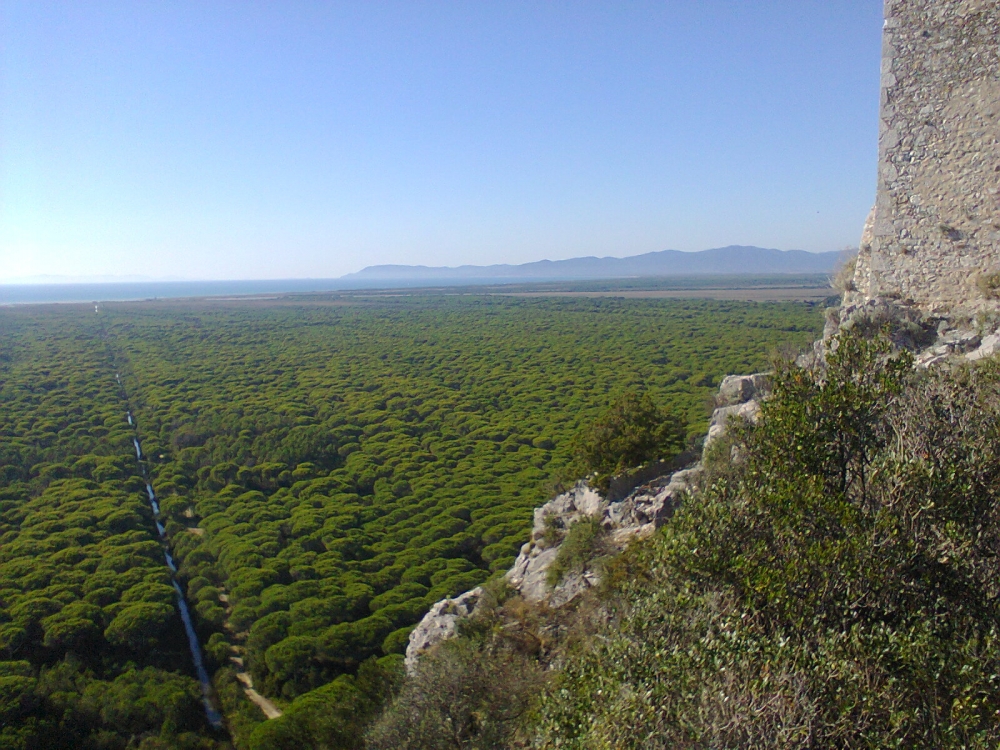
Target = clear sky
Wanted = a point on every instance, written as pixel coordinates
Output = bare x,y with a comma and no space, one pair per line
239,139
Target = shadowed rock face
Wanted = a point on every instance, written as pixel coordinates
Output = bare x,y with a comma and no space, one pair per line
934,233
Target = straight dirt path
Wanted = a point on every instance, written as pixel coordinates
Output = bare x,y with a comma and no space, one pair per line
270,710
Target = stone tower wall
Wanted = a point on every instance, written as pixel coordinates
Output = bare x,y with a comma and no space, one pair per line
933,238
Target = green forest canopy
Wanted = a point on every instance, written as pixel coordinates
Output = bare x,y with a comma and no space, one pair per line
90,640
325,472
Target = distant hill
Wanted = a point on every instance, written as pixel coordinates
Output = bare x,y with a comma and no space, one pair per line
735,259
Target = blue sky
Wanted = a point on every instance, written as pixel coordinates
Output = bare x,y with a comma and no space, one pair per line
242,139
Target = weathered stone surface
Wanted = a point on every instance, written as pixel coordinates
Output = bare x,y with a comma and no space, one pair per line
989,346
952,341
959,341
908,326
738,389
739,396
935,227
529,576
565,510
722,415
440,624
636,515
648,507
624,484
530,570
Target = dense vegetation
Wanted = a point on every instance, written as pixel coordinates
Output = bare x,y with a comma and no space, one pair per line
629,433
833,584
325,472
90,641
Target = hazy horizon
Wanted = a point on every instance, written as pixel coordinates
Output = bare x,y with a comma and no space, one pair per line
247,141
53,279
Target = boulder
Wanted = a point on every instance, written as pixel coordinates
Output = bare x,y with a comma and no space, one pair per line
529,576
738,389
739,396
440,624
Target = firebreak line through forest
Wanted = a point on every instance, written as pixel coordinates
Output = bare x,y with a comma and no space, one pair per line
197,657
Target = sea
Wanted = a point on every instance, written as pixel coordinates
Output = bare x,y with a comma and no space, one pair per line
24,294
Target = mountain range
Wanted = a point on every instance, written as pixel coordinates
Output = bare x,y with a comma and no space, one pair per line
734,259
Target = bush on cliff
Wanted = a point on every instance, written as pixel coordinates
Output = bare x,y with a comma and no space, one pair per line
581,544
838,587
630,432
471,693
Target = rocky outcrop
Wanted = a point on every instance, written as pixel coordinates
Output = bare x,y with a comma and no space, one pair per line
739,396
957,344
529,576
650,497
636,515
988,346
648,507
933,338
440,624
739,389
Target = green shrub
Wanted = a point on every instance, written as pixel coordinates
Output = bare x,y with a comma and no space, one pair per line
581,544
306,459
332,717
397,641
631,431
463,695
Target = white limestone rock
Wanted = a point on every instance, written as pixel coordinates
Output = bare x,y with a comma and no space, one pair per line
722,415
739,389
638,514
529,576
648,507
440,624
739,396
990,345
567,508
952,342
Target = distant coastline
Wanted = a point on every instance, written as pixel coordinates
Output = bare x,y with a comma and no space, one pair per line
733,261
